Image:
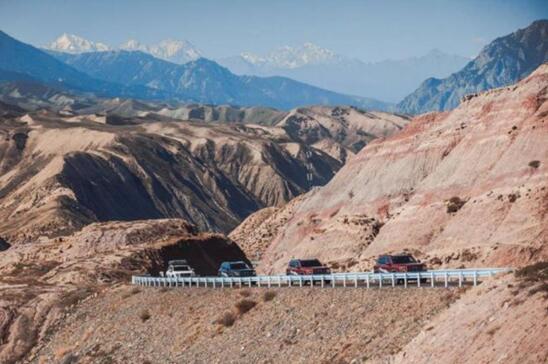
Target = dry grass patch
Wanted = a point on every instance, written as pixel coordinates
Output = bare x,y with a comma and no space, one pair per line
269,296
144,315
227,319
245,293
245,305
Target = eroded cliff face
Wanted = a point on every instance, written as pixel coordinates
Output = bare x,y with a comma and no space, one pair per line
465,187
59,173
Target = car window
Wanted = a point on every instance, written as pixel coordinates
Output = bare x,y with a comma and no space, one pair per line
238,266
179,268
383,260
403,259
293,264
311,263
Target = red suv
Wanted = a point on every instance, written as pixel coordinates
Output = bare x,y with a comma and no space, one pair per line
398,263
306,267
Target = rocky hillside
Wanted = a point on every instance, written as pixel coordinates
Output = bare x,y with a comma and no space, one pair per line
459,188
41,282
59,172
503,62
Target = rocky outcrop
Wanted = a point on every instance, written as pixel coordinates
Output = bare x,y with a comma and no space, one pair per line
503,62
400,194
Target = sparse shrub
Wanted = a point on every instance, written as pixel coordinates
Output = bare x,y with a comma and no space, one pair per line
534,272
535,276
455,204
245,293
534,164
227,319
144,315
245,305
513,197
351,194
269,296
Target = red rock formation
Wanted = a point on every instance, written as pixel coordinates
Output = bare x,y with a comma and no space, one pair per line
466,186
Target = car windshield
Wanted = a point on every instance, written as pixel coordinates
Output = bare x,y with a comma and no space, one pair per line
311,263
179,268
403,259
238,266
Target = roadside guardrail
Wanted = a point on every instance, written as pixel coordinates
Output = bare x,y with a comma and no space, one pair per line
431,278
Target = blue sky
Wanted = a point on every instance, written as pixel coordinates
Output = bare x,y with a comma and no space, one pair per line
368,30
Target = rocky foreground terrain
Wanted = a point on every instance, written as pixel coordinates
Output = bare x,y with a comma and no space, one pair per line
39,282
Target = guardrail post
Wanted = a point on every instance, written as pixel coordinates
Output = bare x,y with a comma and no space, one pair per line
268,282
475,278
333,283
344,280
446,278
323,281
300,281
279,281
311,282
380,280
356,281
393,280
405,280
460,279
367,281
418,280
432,281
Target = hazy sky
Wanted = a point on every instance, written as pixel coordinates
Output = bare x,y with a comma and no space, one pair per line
369,30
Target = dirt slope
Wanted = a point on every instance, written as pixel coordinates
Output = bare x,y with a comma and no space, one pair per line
297,326
40,282
465,187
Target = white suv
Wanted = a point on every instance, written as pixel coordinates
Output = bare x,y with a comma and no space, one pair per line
179,268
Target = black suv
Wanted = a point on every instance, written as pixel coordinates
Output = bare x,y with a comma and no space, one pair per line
236,269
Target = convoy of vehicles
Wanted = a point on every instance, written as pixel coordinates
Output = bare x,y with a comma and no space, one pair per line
384,264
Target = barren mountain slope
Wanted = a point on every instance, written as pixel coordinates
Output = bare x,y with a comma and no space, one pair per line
460,187
40,282
58,174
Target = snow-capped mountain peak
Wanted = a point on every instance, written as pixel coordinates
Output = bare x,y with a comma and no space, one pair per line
71,43
288,57
177,51
173,50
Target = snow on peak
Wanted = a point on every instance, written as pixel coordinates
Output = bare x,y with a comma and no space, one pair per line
177,51
293,57
71,43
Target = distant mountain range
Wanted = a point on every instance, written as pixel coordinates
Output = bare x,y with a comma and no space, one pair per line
389,80
503,62
135,74
176,51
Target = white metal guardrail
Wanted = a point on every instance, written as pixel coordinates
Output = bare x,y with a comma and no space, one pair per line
432,278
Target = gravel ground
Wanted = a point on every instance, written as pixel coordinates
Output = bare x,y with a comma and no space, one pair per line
155,325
